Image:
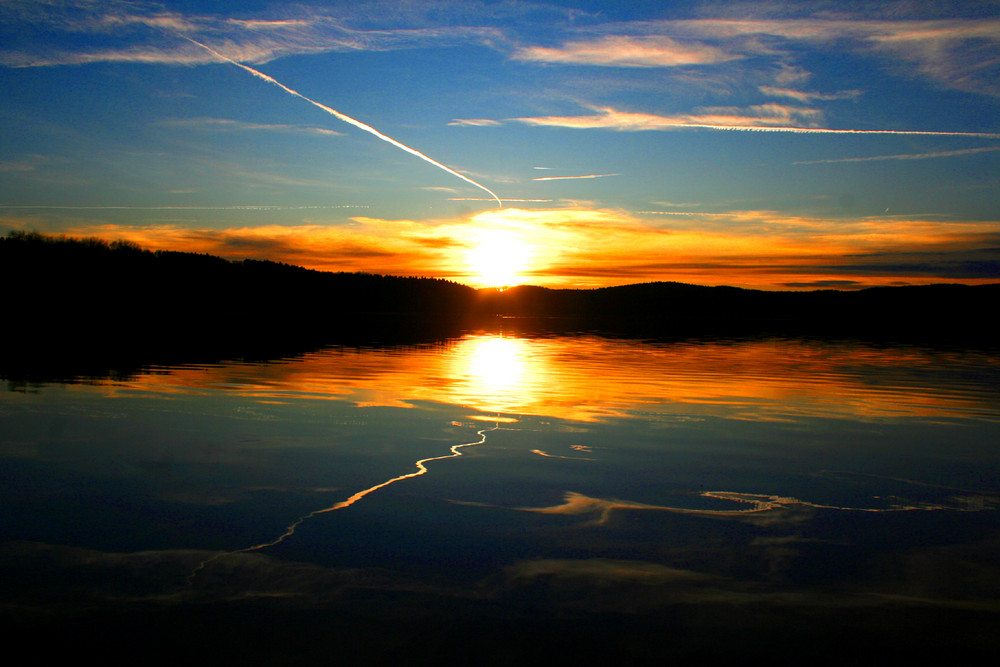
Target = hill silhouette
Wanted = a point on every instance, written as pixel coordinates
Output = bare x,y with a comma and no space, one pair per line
71,288
916,312
88,294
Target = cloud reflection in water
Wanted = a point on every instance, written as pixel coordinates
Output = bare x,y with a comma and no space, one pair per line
593,379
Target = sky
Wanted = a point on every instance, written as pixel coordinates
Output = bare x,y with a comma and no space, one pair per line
773,145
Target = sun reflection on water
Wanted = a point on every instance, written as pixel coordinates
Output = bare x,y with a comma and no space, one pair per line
493,371
588,378
496,363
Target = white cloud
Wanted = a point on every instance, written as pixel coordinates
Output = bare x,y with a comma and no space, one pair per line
906,156
960,53
570,178
626,51
808,97
760,118
246,40
754,117
474,122
226,124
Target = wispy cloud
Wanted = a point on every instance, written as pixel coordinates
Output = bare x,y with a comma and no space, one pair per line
25,164
959,53
808,97
225,124
627,51
761,118
474,122
382,246
507,200
595,246
571,178
582,247
150,36
439,188
725,118
906,156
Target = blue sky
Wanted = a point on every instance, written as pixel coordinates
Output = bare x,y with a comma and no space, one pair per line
777,145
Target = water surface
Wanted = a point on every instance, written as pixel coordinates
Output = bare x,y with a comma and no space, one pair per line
669,491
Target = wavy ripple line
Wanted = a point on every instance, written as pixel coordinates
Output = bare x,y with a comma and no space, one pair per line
290,530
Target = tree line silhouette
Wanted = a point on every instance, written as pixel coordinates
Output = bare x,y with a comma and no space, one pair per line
914,313
69,288
86,293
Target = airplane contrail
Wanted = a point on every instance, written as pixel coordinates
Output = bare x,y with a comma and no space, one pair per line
343,117
571,178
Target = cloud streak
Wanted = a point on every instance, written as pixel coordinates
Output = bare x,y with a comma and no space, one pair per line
591,247
808,97
254,40
906,156
627,51
344,117
760,118
957,53
475,122
228,125
572,178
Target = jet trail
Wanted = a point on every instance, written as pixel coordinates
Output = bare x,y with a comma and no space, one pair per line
343,117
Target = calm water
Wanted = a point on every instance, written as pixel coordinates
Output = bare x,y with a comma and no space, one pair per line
508,495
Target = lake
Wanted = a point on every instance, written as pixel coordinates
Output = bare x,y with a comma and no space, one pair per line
501,496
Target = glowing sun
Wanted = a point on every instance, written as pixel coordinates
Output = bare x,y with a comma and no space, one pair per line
499,259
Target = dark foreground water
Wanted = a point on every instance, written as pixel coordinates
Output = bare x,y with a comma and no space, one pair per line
508,500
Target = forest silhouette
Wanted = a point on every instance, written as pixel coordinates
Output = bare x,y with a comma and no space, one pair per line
83,298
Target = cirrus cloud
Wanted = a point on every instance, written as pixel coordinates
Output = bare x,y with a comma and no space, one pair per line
627,51
593,247
762,118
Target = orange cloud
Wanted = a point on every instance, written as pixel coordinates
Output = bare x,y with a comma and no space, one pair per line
626,51
378,246
593,247
761,118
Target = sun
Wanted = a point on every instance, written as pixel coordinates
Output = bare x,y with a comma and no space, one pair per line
499,258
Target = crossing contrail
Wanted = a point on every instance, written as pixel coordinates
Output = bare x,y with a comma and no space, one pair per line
343,117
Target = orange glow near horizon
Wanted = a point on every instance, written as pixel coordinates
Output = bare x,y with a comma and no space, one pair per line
590,379
500,259
587,248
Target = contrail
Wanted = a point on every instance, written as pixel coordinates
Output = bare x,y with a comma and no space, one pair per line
905,156
290,530
571,178
824,130
343,117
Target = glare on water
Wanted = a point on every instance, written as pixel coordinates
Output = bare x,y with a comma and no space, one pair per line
586,473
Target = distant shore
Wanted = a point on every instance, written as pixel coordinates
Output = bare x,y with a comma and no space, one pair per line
77,298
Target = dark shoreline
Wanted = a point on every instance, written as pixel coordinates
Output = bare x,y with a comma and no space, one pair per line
83,307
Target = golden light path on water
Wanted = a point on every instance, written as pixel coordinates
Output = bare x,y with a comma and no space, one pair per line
590,379
495,366
290,530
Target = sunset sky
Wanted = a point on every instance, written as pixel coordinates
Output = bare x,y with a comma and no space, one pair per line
780,145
